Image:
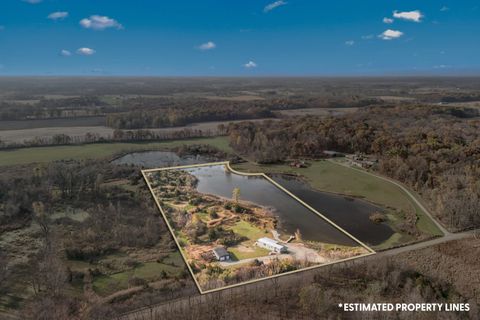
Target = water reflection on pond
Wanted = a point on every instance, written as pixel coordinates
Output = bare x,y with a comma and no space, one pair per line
351,214
291,213
157,159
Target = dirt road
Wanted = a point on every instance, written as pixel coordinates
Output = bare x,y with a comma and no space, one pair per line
414,199
227,264
297,251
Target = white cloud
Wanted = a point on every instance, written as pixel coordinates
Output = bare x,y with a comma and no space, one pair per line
85,51
59,15
207,46
65,53
414,15
390,34
32,1
444,8
368,37
442,66
387,20
250,65
349,43
274,5
97,22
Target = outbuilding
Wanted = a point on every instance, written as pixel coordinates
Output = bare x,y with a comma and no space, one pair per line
221,254
271,245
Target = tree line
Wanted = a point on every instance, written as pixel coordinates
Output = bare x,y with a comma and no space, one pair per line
115,220
46,108
116,136
174,117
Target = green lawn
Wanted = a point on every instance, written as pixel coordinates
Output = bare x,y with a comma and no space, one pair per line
248,230
182,238
150,271
205,217
331,177
253,233
394,240
96,150
241,254
424,223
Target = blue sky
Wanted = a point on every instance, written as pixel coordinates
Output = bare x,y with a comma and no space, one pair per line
239,37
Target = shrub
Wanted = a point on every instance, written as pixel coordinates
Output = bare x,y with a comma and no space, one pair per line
377,217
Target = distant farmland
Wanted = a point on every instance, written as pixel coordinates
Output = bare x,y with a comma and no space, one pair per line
48,123
29,133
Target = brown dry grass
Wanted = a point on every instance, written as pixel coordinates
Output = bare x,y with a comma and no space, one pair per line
456,262
236,98
316,112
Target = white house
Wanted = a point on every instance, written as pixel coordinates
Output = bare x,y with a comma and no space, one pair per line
271,245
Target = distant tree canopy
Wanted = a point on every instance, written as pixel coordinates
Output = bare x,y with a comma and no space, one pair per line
432,149
163,112
173,117
136,112
52,108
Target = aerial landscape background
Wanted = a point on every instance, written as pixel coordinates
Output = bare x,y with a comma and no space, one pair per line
344,138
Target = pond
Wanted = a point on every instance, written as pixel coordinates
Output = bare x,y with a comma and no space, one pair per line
350,214
292,215
158,159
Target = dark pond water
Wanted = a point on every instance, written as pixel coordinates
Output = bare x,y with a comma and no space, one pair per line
157,159
291,213
350,214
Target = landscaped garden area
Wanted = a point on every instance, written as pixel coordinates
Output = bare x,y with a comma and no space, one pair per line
227,239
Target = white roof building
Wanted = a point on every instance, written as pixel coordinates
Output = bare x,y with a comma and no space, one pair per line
272,245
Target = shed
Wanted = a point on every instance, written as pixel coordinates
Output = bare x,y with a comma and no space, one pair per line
221,254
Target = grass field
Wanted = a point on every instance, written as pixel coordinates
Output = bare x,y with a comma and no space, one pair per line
96,150
331,177
149,271
393,241
247,230
253,233
242,254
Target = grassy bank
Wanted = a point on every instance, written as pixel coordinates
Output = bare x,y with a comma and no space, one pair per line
97,150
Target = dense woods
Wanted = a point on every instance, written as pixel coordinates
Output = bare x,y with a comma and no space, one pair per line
52,108
117,136
435,150
71,213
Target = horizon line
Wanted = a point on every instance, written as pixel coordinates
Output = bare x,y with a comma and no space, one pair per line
467,75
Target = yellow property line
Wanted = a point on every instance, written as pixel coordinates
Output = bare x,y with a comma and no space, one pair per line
227,165
303,203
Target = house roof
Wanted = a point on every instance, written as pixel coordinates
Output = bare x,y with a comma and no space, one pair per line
220,252
271,242
331,152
